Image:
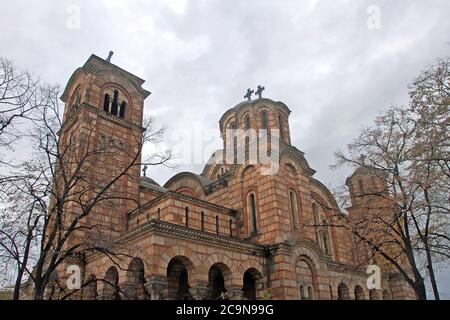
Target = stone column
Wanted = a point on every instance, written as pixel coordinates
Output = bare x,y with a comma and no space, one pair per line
200,291
155,286
235,292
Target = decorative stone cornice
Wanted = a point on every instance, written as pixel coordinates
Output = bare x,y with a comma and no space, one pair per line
169,229
344,268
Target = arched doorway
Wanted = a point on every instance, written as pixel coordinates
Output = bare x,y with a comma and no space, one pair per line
111,285
135,282
218,275
359,293
343,292
252,281
178,278
90,289
374,295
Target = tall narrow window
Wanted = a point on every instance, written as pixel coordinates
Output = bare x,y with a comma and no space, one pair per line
231,228
235,142
202,217
326,241
316,220
294,208
310,293
159,214
280,125
247,123
252,212
106,103
264,123
217,224
302,292
247,138
115,103
123,108
187,216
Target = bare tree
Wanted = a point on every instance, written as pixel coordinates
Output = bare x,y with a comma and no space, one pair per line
403,214
60,190
19,97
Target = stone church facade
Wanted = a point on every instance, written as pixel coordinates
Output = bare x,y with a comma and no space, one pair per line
230,229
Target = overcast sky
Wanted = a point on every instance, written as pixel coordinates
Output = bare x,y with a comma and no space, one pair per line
198,57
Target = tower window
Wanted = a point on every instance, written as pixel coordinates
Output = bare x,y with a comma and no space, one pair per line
106,103
123,108
115,103
112,103
264,124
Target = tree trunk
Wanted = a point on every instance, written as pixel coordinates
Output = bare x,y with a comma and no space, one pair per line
433,282
420,290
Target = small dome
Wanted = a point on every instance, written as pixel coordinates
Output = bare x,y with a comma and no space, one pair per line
149,180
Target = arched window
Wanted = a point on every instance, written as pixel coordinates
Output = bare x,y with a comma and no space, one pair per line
247,123
293,207
316,220
235,141
251,204
302,292
326,239
310,293
343,292
280,125
123,108
187,216
264,122
115,103
106,102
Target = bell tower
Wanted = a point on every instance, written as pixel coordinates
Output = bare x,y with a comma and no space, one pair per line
103,113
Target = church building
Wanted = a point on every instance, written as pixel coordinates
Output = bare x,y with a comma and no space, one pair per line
232,231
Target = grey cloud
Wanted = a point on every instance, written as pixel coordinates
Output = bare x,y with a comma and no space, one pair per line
316,56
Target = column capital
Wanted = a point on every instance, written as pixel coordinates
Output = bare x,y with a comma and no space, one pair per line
200,291
155,286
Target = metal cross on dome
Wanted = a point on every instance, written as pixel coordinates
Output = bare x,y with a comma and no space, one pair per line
110,56
249,94
144,171
259,91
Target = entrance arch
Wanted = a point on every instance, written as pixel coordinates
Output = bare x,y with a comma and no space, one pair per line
135,281
111,285
178,271
343,292
252,281
218,276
